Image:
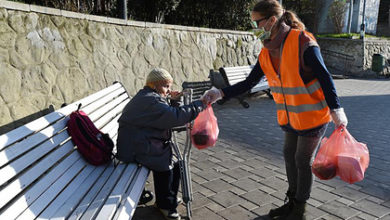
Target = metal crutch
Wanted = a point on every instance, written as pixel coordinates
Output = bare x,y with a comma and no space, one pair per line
184,159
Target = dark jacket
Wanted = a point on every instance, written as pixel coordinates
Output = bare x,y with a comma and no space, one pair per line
145,129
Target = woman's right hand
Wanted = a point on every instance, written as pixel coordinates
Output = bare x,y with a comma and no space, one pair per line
212,95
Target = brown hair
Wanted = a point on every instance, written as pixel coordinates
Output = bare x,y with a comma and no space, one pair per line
270,8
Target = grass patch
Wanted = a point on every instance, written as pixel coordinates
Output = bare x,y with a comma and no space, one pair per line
350,36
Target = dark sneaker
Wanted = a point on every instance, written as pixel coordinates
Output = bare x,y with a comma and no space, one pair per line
285,209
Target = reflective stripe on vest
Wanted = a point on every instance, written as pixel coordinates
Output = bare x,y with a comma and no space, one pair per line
301,105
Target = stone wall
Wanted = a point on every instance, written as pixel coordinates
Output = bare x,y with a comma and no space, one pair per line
353,57
49,57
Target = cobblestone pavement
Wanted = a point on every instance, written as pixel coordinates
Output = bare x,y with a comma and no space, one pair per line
243,176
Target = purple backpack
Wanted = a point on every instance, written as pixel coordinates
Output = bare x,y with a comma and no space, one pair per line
95,146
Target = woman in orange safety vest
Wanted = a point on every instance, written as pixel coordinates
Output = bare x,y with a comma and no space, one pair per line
304,93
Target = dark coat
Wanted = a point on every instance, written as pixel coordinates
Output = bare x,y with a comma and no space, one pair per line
145,129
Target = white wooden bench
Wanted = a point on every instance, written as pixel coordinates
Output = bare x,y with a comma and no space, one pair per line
233,75
43,176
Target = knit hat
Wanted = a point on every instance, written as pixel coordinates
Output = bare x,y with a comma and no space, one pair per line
158,74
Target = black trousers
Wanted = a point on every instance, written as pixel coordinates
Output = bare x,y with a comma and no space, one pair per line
166,187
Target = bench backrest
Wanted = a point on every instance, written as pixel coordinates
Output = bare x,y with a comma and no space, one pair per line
41,173
233,75
198,88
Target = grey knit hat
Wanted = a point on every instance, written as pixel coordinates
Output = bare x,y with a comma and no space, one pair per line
158,74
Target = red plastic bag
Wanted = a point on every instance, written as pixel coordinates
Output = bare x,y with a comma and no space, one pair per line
325,163
341,155
352,159
205,130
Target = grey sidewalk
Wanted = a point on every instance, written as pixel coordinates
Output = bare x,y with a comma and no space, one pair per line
243,176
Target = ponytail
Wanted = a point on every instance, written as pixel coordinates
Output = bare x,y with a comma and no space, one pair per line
292,20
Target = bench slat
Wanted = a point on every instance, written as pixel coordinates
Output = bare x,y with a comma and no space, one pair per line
24,181
45,198
106,99
21,163
107,108
40,123
130,204
93,191
118,193
34,192
75,198
111,114
98,202
16,150
66,193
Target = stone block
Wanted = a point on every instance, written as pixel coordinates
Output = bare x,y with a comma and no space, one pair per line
217,185
340,210
116,21
97,18
236,212
14,6
71,14
205,213
45,10
227,199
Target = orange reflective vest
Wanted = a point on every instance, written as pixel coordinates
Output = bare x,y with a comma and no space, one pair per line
301,105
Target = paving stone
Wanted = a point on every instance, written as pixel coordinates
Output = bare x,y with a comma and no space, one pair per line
210,174
197,179
346,202
205,213
217,185
237,173
323,196
338,209
228,179
215,207
263,172
236,212
230,164
314,212
237,191
255,163
258,197
203,165
371,208
247,184
375,199
227,199
263,211
349,193
329,217
275,183
387,217
200,200
365,216
376,191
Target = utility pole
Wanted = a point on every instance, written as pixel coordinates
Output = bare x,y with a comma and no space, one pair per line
350,16
363,25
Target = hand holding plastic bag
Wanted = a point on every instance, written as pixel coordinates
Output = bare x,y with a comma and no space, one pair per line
205,130
341,155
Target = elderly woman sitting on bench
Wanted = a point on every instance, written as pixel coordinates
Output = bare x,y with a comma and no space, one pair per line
144,135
